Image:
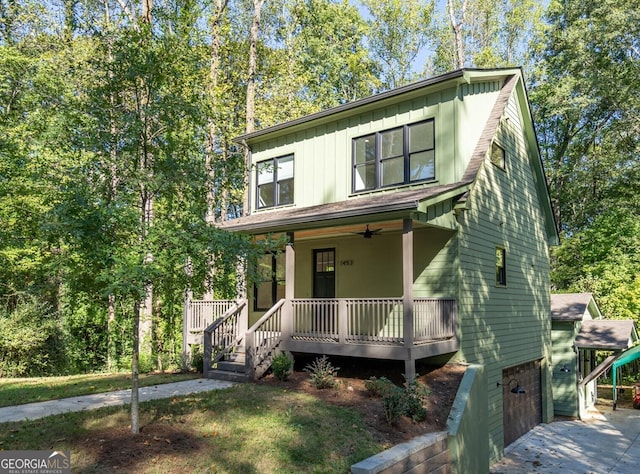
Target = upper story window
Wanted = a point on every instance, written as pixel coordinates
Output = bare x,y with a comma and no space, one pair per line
275,182
393,157
501,266
498,155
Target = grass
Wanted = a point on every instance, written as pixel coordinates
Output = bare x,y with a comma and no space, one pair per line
247,428
17,391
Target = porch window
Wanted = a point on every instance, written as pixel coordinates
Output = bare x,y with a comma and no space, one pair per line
275,182
269,287
394,157
501,266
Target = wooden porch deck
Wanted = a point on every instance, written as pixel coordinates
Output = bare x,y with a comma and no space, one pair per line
356,327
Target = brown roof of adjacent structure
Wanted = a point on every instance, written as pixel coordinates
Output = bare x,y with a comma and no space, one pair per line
569,306
604,334
384,202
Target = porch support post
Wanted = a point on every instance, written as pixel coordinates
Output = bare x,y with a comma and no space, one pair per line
290,271
407,298
289,289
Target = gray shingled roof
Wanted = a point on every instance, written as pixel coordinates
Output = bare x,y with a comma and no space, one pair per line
605,334
569,306
383,203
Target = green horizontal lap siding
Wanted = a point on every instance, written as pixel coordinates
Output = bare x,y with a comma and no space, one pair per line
504,327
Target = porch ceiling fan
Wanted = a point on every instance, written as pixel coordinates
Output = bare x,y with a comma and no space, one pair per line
368,233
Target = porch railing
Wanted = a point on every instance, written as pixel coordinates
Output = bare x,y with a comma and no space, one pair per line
223,335
201,313
262,340
372,320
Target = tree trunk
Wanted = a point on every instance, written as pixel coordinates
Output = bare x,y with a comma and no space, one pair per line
251,94
135,380
457,25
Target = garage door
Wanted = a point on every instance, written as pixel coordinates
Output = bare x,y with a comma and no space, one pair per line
523,410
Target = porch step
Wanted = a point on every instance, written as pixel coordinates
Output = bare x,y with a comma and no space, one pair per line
228,376
231,369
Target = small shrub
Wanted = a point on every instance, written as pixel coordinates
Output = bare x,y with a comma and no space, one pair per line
322,373
393,404
378,387
403,401
281,366
415,394
197,358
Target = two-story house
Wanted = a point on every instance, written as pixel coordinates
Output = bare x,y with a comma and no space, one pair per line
418,224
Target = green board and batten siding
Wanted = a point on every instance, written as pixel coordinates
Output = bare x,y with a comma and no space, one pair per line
505,326
565,394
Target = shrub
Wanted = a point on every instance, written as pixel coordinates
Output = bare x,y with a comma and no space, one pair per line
281,366
322,373
30,341
197,358
378,387
400,401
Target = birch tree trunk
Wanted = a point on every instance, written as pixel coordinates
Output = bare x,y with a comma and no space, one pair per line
457,25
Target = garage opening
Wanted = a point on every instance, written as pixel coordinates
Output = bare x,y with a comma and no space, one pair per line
521,399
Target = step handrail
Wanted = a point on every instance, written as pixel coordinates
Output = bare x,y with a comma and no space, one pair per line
229,333
260,354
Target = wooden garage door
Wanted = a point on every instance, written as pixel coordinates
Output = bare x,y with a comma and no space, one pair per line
521,411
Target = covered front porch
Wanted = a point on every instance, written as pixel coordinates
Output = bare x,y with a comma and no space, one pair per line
382,328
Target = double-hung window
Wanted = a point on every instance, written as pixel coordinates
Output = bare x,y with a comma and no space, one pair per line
394,157
275,182
501,266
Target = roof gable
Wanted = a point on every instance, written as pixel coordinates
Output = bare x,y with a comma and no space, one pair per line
573,307
604,334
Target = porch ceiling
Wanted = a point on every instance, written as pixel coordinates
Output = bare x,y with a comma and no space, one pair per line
358,210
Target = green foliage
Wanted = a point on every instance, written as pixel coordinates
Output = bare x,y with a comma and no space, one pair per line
281,366
378,386
197,358
322,373
400,401
30,340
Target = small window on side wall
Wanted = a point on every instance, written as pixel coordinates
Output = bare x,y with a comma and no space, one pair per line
498,155
501,266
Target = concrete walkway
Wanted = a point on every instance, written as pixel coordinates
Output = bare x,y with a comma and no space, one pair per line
31,411
608,442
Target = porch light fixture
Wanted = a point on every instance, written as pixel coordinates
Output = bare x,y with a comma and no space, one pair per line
517,389
565,369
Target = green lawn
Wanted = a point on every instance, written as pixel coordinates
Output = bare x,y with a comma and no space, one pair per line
17,391
247,428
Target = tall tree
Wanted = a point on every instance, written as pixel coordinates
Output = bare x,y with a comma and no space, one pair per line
398,32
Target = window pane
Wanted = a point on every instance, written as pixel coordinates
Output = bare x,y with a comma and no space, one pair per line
285,168
365,149
422,166
280,266
264,295
391,143
265,194
392,171
501,272
285,192
365,177
497,155
280,291
421,137
265,267
265,172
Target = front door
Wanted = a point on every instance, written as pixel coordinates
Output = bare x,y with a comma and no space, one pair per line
324,273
